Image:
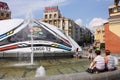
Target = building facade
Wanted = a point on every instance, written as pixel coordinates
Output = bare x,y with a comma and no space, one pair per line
53,16
99,36
5,12
112,28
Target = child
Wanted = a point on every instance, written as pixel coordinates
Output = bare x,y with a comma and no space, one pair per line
90,55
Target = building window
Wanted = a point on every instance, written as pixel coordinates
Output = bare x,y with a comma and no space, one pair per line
115,10
63,23
45,21
50,22
98,32
2,14
103,31
70,24
118,8
110,11
7,15
55,15
50,16
45,16
69,28
55,22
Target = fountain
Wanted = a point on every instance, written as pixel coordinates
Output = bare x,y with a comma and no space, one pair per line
29,19
23,59
31,25
40,72
27,67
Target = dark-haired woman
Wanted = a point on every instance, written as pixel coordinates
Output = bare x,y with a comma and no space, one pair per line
98,64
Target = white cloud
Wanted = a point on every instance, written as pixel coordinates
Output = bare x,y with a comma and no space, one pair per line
21,7
79,22
96,22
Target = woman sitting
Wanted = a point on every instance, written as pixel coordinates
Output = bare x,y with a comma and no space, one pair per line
109,61
98,64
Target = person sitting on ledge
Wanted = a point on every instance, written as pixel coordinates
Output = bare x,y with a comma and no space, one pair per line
109,61
98,64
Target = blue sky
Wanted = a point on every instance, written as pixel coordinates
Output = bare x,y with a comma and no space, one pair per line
87,9
85,12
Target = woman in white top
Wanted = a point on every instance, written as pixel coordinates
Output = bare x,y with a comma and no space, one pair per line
98,64
109,61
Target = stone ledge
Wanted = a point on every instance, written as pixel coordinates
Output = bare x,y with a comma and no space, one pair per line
113,75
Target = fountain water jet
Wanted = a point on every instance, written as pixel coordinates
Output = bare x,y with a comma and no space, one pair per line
29,19
40,72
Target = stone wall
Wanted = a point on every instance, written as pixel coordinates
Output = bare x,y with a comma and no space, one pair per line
113,75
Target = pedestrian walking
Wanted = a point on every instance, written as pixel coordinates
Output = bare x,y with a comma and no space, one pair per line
76,54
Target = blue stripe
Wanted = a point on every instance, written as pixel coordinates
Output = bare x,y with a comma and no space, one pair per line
63,47
2,36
